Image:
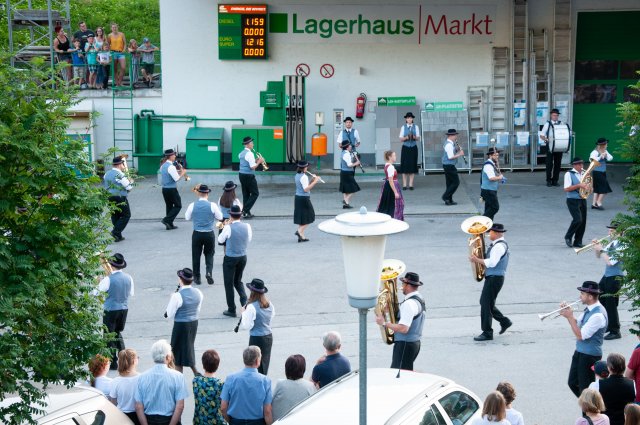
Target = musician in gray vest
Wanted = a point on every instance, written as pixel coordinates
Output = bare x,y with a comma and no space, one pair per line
169,176
589,331
184,309
348,185
349,133
577,206
496,261
409,136
204,215
118,185
554,159
611,280
489,181
247,174
119,287
452,152
237,236
408,329
257,317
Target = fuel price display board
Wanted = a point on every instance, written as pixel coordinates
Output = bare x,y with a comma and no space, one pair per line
242,31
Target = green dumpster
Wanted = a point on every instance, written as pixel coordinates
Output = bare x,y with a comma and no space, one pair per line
204,148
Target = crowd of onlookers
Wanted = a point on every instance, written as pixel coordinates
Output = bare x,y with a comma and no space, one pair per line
91,55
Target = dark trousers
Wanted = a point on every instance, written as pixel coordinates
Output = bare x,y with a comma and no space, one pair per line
159,420
234,421
232,269
553,162
264,342
488,310
115,321
452,180
121,215
202,241
250,191
404,354
106,70
610,286
134,417
580,373
491,204
578,211
172,202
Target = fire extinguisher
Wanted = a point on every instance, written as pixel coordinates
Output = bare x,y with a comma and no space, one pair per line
360,101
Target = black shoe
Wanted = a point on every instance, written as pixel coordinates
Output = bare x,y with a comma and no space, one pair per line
549,184
578,245
303,240
209,279
229,313
166,225
404,187
483,337
116,237
197,280
556,184
410,187
450,203
247,215
172,227
612,335
346,207
568,242
503,328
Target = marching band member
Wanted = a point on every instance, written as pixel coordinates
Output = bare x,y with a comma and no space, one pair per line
599,174
611,280
303,213
391,200
237,236
348,184
169,177
349,133
409,135
554,159
247,175
449,159
204,214
257,317
577,206
226,201
118,185
491,178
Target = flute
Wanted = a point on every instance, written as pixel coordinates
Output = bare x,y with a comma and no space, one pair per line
313,176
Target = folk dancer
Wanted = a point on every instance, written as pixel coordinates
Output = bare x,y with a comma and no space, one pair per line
256,318
237,236
303,213
204,215
348,184
611,280
489,181
169,176
247,174
391,200
409,136
554,159
576,205
118,185
600,183
449,159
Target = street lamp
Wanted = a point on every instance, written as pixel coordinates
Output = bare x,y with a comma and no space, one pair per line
364,236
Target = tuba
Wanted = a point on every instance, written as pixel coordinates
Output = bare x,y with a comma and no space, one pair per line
387,303
588,179
477,226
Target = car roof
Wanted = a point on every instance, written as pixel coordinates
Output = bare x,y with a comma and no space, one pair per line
60,397
386,395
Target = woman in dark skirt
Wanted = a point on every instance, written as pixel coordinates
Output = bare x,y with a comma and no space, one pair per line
303,213
256,317
184,308
391,200
600,184
409,136
348,164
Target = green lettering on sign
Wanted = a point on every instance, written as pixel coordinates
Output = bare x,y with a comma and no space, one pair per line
443,106
397,101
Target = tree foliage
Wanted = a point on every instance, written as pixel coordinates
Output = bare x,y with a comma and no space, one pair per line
53,226
630,222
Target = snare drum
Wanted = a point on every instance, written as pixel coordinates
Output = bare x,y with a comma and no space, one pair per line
559,138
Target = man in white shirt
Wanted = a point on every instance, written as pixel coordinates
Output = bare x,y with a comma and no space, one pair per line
489,182
118,185
349,133
449,159
576,204
169,176
247,175
554,159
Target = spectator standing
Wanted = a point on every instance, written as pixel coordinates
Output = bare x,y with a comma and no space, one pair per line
91,53
591,403
161,391
617,391
509,393
123,387
147,60
632,414
99,367
135,62
104,59
246,395
292,390
99,41
207,390
61,46
256,317
601,371
118,41
633,369
83,34
79,65
494,410
333,364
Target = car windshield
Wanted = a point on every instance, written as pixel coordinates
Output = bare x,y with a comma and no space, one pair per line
459,406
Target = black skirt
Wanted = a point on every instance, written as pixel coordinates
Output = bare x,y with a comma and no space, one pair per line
348,182
303,212
409,160
183,337
600,183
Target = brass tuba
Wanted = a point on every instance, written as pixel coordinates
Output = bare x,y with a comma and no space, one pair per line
588,179
477,226
387,304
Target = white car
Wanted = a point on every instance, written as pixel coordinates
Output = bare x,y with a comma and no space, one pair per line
411,399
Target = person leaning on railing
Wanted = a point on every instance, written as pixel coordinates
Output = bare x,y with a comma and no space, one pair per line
148,61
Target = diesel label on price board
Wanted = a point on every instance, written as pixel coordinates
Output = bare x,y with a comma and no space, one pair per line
242,31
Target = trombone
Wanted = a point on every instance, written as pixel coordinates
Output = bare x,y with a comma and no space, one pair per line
591,245
313,176
556,313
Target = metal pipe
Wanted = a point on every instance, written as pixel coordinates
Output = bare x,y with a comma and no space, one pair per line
363,365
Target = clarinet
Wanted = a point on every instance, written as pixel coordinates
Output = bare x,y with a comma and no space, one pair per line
177,289
237,328
356,156
463,157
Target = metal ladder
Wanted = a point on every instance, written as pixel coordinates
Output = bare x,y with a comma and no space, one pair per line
122,102
539,67
561,77
477,120
499,118
520,55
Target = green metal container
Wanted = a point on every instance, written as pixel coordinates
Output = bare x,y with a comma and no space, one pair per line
148,142
204,148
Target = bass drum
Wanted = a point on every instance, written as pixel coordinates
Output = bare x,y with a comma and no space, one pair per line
559,138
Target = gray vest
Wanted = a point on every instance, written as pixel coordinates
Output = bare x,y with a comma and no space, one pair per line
574,194
501,268
118,293
445,157
350,136
188,311
487,184
167,181
111,184
244,164
592,346
262,323
202,216
415,330
616,269
407,132
299,190
238,241
343,164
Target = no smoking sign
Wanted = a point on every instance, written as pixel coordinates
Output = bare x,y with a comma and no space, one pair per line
327,70
303,70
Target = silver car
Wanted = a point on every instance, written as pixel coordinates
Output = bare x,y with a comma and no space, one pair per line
411,399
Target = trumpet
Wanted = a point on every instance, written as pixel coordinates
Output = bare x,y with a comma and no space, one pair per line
591,245
220,224
556,313
258,155
313,176
179,166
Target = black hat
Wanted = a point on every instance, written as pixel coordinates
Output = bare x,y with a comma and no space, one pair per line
577,160
411,278
203,188
117,261
555,111
497,227
247,140
409,115
235,211
169,152
348,119
229,186
345,144
613,225
186,274
602,141
452,132
590,287
491,151
117,160
302,164
257,285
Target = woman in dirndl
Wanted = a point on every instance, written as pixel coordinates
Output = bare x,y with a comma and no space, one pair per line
184,309
600,183
409,136
348,164
391,200
303,213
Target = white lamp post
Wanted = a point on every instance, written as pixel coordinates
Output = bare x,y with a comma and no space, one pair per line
364,236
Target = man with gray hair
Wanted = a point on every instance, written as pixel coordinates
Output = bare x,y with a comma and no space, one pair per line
161,391
246,395
332,365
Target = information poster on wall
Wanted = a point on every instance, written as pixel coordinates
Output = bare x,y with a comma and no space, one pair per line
522,138
519,113
562,106
542,112
502,139
482,139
